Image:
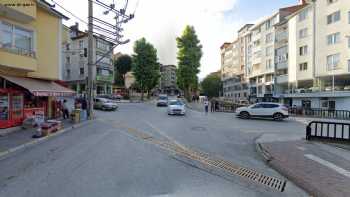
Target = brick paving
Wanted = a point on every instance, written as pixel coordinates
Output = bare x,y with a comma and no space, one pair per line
316,178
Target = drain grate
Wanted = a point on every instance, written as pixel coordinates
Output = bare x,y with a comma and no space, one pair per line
230,168
204,158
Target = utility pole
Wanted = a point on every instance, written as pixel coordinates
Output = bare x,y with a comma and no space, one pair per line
91,64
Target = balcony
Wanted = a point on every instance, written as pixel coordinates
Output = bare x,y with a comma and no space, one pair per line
18,59
282,79
105,78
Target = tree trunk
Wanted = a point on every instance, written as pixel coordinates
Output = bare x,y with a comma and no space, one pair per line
142,93
187,95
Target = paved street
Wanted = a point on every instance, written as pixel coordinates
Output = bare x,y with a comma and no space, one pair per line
111,157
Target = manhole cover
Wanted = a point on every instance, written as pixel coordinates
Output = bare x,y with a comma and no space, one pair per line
198,129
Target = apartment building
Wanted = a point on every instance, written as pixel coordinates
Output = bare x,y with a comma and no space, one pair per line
233,65
319,55
168,79
30,60
75,69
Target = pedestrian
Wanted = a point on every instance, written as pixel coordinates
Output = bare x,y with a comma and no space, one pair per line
212,109
84,108
206,106
65,109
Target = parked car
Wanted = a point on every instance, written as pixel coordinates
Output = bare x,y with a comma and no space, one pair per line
176,107
162,100
346,88
105,104
264,110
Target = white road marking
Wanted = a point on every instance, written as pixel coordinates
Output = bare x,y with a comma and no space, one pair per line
328,164
301,148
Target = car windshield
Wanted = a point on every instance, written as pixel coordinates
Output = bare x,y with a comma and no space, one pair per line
175,103
173,98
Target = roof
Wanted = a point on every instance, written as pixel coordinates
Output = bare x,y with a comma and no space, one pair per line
298,11
225,45
40,87
50,8
246,25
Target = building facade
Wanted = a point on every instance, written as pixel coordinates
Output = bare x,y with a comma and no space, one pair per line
319,56
30,60
75,70
168,79
298,56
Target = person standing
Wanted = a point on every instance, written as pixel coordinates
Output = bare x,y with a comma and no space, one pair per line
212,109
65,110
206,106
84,108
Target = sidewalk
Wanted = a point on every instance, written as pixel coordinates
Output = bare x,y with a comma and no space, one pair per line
321,170
197,106
22,138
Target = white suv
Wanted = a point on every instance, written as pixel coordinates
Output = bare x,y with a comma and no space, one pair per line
265,110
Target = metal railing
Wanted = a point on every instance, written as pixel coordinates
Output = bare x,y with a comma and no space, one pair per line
320,113
226,107
335,131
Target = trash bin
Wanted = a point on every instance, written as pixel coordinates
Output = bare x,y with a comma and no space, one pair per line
76,116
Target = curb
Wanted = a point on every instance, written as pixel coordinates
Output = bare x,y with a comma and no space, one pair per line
7,153
263,152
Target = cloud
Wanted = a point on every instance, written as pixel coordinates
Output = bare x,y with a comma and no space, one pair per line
161,21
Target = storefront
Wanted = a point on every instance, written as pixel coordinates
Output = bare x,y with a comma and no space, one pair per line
22,97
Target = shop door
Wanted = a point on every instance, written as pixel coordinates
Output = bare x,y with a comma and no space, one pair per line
4,110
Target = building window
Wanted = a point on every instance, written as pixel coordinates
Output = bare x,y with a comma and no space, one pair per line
348,42
269,38
81,44
334,17
68,60
67,47
333,61
349,17
68,73
303,50
303,66
303,15
333,38
269,51
269,64
81,71
348,65
268,24
303,33
16,37
331,1
103,45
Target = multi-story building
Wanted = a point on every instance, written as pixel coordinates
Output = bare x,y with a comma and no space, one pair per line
168,79
233,70
30,60
319,56
75,69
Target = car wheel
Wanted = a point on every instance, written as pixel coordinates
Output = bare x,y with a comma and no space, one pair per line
244,115
278,116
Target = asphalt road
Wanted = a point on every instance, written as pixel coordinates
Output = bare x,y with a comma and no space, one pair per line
106,158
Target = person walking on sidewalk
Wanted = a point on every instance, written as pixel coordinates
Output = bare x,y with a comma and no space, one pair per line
206,106
84,107
212,105
65,110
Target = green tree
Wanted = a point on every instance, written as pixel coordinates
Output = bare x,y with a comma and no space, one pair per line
189,56
145,66
212,85
121,66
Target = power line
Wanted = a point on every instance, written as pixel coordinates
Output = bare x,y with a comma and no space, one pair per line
81,20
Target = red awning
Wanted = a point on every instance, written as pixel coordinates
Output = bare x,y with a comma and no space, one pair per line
40,87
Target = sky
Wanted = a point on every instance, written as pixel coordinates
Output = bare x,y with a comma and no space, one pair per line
161,21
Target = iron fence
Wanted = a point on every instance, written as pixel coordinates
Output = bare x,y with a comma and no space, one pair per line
335,131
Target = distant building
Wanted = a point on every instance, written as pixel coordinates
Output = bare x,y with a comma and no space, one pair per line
168,79
75,68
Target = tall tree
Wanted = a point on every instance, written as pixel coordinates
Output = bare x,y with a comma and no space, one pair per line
212,85
145,66
121,66
189,56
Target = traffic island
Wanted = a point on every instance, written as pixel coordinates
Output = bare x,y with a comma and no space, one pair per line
319,169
